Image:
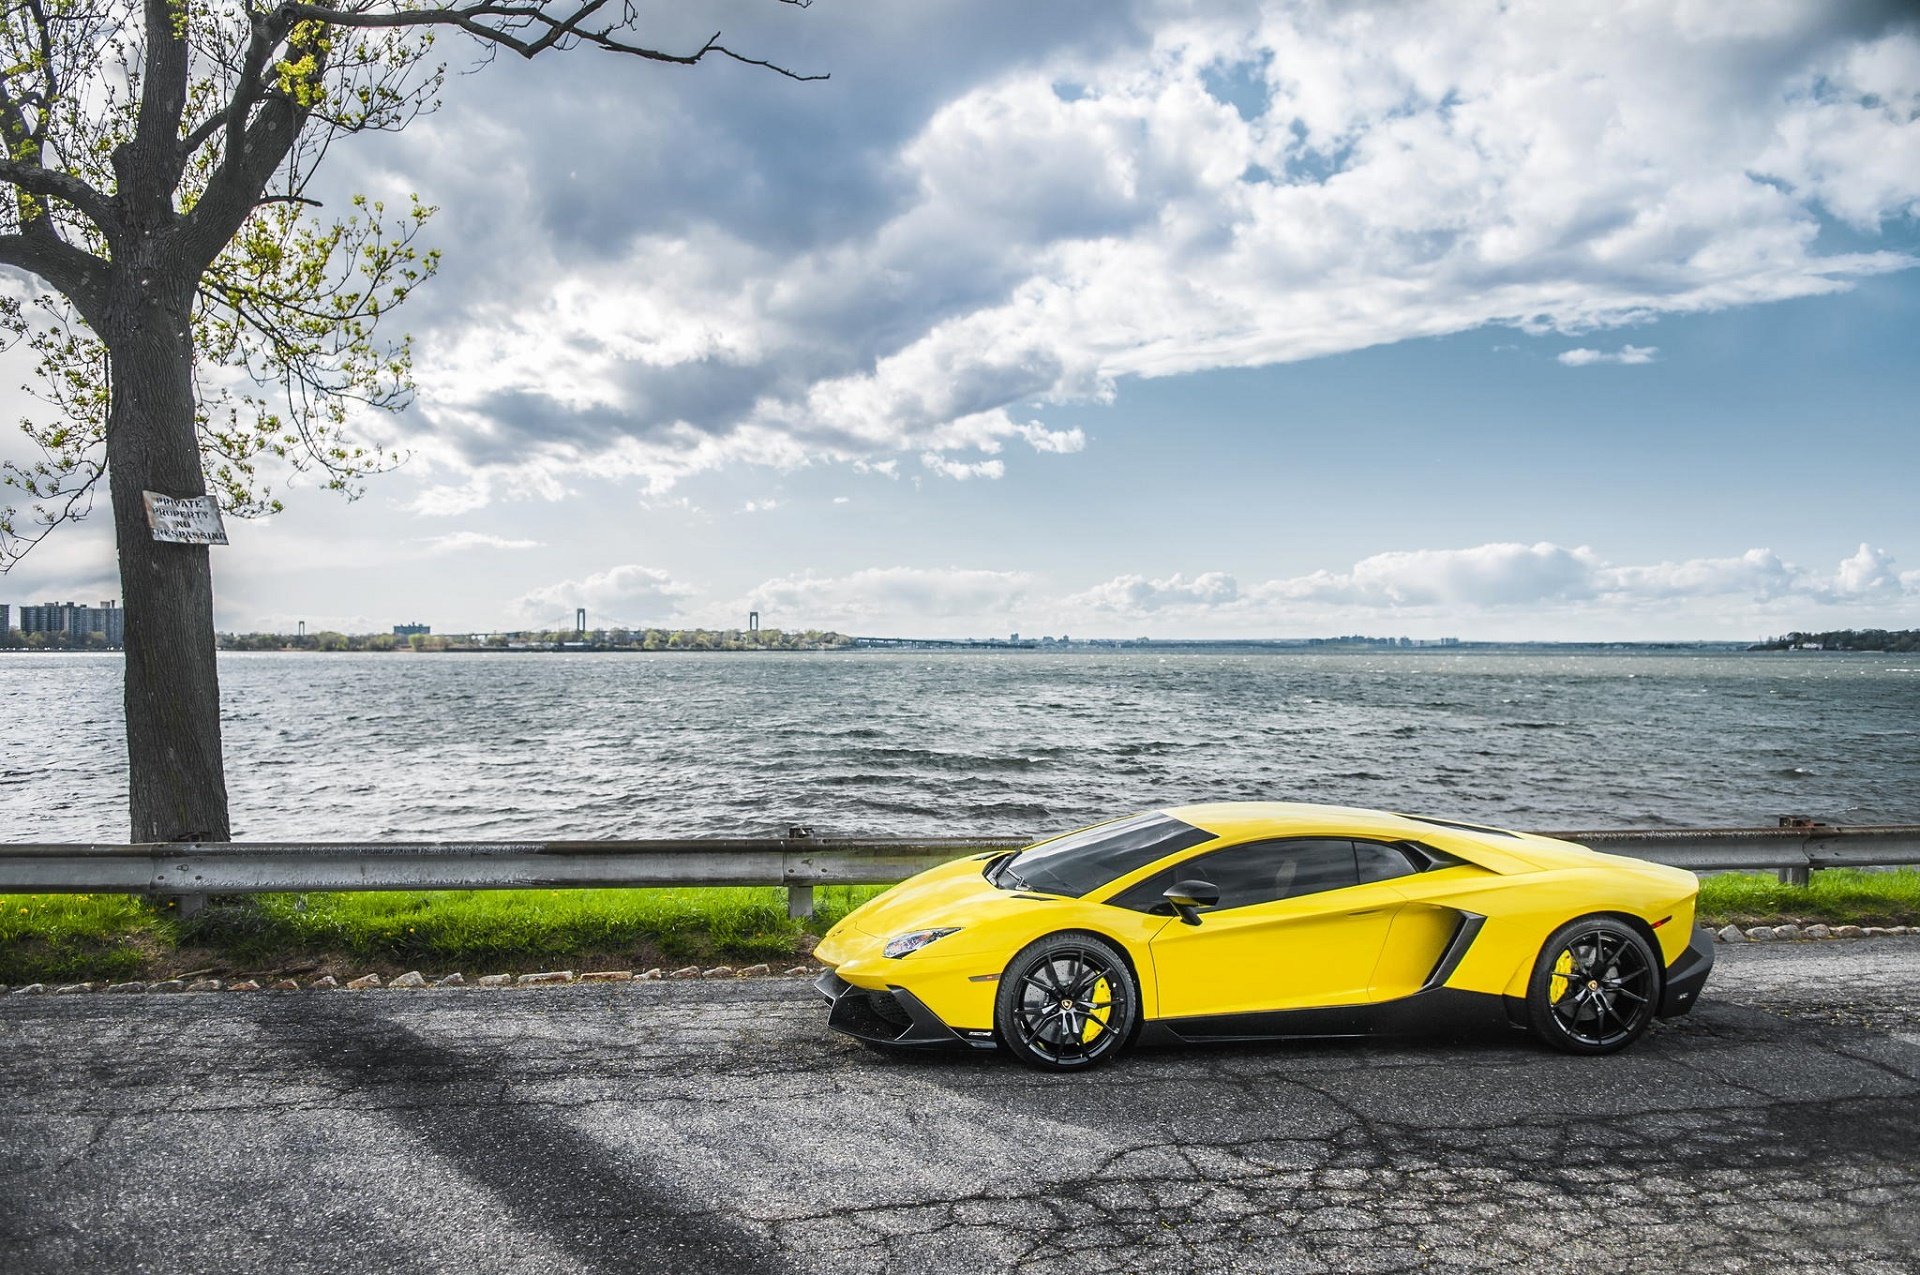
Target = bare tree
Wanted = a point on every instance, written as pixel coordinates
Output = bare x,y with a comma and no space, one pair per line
196,327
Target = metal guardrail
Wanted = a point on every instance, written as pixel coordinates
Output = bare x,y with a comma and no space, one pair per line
797,861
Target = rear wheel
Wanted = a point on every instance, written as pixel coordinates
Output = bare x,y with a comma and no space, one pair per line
1594,987
1066,1002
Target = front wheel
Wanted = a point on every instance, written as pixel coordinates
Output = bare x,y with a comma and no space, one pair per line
1594,987
1066,1002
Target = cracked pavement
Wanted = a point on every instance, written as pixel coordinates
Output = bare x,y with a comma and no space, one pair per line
699,1127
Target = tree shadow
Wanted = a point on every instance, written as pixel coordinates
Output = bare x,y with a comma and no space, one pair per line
606,1211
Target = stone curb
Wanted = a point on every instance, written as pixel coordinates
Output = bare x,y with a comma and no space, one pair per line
1791,932
414,979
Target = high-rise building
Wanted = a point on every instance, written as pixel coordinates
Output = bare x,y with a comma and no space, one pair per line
107,619
48,617
6,620
412,630
76,622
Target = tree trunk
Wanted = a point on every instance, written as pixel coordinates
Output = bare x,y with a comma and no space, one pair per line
177,785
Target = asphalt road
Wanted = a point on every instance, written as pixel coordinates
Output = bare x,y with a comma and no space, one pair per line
694,1127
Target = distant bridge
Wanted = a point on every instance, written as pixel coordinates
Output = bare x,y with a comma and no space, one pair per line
945,644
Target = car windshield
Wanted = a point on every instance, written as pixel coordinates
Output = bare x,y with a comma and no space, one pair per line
1090,858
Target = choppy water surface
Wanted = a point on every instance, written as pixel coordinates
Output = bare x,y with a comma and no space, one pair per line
417,746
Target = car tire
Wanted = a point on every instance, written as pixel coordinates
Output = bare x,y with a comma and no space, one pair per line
1594,988
1067,1002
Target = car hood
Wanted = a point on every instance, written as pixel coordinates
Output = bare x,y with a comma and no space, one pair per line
950,894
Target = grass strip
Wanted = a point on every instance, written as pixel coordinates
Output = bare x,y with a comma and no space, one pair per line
1836,896
71,937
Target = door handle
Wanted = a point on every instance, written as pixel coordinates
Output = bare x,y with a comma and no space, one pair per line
1367,912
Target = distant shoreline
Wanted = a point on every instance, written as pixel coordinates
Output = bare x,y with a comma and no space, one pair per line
1168,647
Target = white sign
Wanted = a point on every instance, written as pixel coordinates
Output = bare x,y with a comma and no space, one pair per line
185,520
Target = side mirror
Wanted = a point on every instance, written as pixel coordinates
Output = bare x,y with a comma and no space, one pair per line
1188,897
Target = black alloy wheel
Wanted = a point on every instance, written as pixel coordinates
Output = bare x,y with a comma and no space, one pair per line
1066,1002
1594,987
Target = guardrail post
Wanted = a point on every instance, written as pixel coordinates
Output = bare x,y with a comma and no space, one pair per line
799,897
189,904
1800,875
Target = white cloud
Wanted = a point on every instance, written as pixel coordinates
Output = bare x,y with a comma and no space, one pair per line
888,599
1484,576
1628,354
961,471
1868,571
629,594
1139,595
759,506
1851,138
1060,442
1541,590
1067,218
1490,579
462,541
1759,574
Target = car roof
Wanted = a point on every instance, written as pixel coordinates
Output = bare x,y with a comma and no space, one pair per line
1236,818
1495,848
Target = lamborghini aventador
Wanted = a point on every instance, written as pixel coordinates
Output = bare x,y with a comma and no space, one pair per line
1258,920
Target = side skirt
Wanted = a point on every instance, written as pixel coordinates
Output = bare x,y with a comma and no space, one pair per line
1437,1010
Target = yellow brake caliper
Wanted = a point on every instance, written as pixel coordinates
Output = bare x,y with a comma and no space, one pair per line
1102,995
1563,975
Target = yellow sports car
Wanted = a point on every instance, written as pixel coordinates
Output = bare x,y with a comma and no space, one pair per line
1257,920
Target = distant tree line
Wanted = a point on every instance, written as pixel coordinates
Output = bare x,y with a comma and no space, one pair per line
595,640
1846,640
55,641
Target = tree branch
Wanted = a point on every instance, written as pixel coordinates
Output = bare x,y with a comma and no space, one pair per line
254,150
267,32
80,275
556,30
21,166
78,503
149,164
53,184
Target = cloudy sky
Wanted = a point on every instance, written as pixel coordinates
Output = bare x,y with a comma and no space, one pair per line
1499,321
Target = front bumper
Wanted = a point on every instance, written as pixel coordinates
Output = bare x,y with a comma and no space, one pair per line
1687,975
891,1017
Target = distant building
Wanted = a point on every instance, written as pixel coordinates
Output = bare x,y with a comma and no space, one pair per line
412,630
76,622
107,619
47,617
6,620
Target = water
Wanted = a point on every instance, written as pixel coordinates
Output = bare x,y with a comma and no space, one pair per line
498,746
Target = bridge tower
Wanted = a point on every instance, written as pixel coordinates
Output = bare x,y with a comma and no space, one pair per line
580,621
753,621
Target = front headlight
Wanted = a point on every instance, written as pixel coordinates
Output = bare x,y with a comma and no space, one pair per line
912,941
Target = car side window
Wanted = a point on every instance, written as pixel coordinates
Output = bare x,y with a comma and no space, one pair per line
1257,872
1378,862
1309,867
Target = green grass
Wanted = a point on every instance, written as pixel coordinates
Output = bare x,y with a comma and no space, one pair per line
67,937
44,938
71,937
1837,896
